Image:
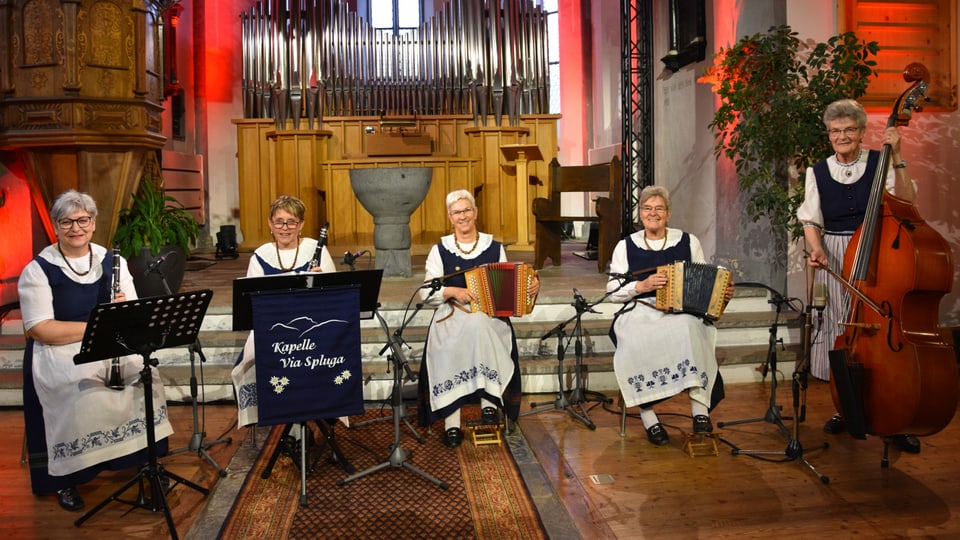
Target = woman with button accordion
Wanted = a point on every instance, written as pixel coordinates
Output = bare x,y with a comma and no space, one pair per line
468,355
660,354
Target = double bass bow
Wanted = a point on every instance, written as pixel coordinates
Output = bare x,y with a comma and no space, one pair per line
892,372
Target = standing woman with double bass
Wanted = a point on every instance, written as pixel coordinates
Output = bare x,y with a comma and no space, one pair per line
836,193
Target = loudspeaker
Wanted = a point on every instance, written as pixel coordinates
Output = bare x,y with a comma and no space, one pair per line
227,242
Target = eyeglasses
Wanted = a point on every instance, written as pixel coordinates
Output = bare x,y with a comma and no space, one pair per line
458,213
849,132
657,209
288,224
83,222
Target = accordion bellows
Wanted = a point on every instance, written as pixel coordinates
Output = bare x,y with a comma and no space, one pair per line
501,288
695,288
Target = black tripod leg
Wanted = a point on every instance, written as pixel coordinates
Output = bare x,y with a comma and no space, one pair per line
416,434
115,496
276,453
336,455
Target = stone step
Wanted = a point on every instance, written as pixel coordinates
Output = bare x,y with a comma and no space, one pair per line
743,343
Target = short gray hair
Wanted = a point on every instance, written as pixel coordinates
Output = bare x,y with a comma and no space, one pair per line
458,194
71,201
845,108
655,191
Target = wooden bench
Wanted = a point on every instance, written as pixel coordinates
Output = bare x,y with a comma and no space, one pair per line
605,177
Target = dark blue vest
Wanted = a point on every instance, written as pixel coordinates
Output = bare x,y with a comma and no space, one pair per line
844,205
270,270
455,263
73,301
638,259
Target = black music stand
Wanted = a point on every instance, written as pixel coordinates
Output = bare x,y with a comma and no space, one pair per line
144,326
368,282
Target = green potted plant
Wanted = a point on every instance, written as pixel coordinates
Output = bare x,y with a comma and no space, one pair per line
155,234
773,90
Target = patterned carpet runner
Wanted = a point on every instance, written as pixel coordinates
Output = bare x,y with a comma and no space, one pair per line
486,497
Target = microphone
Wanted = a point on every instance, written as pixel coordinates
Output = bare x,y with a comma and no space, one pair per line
435,284
819,301
349,258
155,264
580,303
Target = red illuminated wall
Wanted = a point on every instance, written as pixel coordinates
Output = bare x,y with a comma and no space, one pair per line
23,221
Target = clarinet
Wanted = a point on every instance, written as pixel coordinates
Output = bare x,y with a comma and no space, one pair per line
321,241
115,381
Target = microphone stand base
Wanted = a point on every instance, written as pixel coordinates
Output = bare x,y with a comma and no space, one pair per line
563,404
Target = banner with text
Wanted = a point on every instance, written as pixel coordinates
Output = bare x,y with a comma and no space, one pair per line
308,359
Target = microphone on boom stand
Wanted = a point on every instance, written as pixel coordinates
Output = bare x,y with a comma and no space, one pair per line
350,258
156,263
819,301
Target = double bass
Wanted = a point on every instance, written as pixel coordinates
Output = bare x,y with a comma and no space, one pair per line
892,372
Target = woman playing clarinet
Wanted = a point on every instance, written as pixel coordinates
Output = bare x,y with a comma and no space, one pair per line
288,253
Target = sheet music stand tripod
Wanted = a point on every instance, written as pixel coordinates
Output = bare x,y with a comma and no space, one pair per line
367,281
144,326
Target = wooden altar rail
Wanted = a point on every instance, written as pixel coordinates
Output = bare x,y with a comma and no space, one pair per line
315,166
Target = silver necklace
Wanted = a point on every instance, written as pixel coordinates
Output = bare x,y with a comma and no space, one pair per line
848,170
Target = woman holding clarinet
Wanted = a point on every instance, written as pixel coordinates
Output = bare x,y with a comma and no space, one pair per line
288,253
76,425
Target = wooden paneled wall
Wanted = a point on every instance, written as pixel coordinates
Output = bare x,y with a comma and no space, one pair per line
315,166
183,180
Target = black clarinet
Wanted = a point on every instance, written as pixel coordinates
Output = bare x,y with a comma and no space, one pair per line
115,381
321,241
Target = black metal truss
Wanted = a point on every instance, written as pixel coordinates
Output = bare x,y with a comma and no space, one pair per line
636,95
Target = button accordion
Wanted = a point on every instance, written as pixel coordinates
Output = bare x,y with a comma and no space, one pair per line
501,288
694,288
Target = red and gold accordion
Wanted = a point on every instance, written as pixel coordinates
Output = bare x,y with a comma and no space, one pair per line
501,288
695,288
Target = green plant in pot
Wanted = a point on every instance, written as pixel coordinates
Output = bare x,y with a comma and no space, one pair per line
773,90
155,234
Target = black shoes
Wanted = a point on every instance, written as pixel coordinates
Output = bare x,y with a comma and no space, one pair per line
490,415
657,435
702,424
70,499
835,425
906,443
453,437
